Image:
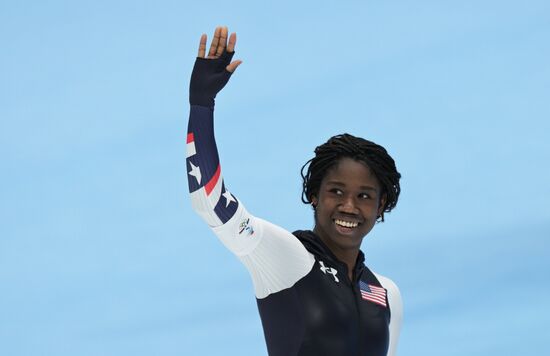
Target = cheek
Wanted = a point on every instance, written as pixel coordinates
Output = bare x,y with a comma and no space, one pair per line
373,209
321,213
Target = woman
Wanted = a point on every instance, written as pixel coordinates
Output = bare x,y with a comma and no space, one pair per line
314,293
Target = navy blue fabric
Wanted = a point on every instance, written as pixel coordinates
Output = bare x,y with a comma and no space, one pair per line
201,128
321,316
209,76
201,125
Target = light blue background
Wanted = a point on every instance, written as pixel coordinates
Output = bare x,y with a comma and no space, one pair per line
100,252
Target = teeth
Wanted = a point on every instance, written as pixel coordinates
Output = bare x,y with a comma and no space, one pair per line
346,223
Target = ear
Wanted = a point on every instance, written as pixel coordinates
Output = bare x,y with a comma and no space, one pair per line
382,203
314,201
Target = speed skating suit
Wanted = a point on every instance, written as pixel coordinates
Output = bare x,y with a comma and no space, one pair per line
307,304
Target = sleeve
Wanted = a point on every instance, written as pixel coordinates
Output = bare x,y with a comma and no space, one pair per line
396,308
273,256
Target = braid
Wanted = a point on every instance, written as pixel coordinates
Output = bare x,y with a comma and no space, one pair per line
374,156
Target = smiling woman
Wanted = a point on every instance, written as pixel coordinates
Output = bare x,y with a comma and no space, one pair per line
346,208
350,183
314,293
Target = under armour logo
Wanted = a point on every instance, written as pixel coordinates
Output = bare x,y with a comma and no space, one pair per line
329,270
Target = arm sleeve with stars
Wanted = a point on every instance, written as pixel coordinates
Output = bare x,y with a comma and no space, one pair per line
274,258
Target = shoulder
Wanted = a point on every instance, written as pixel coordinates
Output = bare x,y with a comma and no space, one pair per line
387,283
396,311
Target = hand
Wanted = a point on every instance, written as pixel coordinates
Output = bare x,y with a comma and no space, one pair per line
218,46
211,73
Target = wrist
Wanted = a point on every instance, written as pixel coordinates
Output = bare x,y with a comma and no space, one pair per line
201,100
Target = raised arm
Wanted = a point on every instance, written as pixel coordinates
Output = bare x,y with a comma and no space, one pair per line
273,256
209,196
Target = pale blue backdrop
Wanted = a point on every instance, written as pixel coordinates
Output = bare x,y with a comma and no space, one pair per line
100,252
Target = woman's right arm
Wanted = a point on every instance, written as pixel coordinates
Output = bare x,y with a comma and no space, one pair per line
273,256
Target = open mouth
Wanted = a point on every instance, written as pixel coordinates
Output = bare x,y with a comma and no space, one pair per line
348,225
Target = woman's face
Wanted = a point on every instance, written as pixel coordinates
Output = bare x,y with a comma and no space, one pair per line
347,205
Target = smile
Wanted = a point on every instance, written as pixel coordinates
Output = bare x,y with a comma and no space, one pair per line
343,223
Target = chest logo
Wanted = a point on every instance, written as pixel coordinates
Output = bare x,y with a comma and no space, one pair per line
329,270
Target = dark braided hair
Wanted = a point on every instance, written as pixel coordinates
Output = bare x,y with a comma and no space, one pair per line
374,156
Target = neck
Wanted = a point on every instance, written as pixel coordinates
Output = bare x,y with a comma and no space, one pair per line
345,255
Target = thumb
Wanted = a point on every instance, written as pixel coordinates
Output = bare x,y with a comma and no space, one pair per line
233,65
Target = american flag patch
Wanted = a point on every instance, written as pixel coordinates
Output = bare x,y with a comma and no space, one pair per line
373,293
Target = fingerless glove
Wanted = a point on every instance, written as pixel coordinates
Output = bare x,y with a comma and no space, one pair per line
208,78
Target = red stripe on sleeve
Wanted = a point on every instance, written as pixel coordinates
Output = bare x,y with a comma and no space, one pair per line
190,137
212,183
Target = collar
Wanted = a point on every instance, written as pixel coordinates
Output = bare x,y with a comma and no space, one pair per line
315,245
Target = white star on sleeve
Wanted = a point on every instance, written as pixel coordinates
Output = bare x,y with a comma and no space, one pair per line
228,198
195,172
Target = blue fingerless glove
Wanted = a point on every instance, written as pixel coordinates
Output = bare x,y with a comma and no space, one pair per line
208,78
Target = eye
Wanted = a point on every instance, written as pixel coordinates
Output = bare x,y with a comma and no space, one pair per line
364,196
336,191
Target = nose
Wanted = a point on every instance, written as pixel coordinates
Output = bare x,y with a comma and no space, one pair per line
348,205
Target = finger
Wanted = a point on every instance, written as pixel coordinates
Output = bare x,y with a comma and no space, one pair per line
202,46
214,44
232,42
233,65
223,41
